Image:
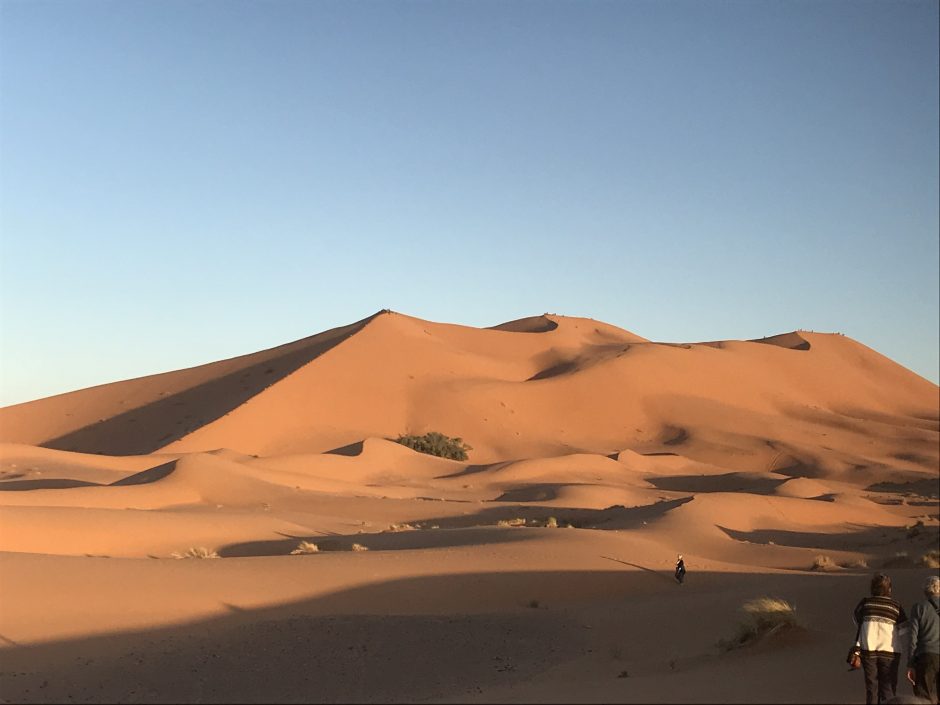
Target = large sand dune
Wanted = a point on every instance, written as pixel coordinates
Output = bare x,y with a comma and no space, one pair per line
752,458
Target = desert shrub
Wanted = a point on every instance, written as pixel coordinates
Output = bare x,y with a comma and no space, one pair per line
762,617
931,559
552,523
438,444
358,547
196,552
824,563
394,528
305,547
518,521
856,563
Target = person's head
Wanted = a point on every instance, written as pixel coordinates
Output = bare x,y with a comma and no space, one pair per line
881,585
932,586
679,558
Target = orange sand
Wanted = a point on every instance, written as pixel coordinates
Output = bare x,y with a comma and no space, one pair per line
749,457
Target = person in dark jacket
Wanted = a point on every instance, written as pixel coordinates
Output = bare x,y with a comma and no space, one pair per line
923,653
680,569
882,628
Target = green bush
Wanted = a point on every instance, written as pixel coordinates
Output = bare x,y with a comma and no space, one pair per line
438,444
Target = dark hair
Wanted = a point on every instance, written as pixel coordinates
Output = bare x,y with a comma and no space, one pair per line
881,585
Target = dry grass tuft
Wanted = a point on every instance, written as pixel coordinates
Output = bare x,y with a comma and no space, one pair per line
931,559
824,563
394,528
196,552
855,564
358,547
764,617
305,547
518,521
552,523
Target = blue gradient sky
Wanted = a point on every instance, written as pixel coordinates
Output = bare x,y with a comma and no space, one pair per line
188,181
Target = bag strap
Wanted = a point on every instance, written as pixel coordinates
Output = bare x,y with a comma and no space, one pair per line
858,632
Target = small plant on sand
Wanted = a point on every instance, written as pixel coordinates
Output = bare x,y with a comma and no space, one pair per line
305,547
358,547
763,617
196,552
434,443
518,521
394,528
931,559
855,564
824,563
552,523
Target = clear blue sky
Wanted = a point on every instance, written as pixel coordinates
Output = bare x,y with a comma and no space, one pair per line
188,181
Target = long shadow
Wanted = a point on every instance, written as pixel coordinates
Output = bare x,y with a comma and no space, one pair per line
325,649
401,640
153,426
878,539
146,476
538,492
48,484
728,482
927,487
657,573
383,541
614,517
474,469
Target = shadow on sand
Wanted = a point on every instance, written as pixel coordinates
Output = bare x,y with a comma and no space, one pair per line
401,640
155,425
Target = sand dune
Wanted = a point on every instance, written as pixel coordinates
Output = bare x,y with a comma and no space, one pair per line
539,569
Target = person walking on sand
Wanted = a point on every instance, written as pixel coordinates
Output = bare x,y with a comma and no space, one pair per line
923,652
680,569
882,626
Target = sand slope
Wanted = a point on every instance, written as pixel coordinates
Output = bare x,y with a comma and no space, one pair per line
539,569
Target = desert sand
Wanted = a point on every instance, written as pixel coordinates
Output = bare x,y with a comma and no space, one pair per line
538,570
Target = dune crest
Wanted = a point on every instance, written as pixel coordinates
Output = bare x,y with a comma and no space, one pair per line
211,519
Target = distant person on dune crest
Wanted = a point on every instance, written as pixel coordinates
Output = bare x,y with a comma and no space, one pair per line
923,653
680,569
882,626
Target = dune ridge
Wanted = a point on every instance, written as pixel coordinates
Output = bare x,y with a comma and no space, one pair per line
596,457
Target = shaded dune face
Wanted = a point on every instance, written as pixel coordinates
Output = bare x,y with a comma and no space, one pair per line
539,386
163,408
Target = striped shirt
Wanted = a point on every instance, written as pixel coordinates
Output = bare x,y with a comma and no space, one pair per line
883,624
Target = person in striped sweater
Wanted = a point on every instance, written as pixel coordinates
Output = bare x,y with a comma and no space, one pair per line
882,630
